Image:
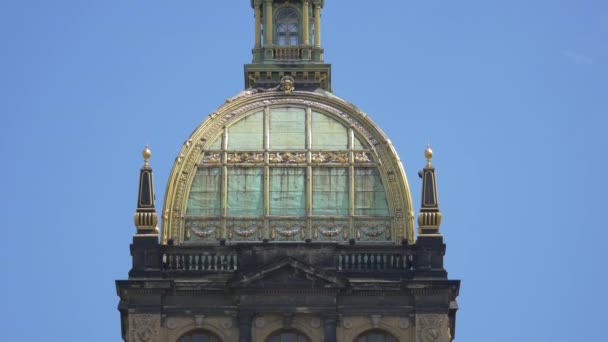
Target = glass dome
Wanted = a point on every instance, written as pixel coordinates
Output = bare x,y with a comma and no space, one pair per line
288,170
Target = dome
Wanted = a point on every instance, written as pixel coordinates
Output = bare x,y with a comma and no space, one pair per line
287,166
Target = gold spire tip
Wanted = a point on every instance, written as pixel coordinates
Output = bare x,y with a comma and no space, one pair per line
428,153
146,153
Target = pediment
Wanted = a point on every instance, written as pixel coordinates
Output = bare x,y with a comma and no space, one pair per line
290,273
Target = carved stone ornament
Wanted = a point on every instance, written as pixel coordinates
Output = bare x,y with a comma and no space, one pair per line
315,322
330,157
287,84
288,320
289,229
429,327
362,157
145,327
347,323
199,320
246,157
260,322
287,157
171,323
244,230
404,322
212,158
375,320
201,230
227,323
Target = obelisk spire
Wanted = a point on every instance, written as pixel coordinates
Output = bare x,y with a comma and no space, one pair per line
429,218
146,219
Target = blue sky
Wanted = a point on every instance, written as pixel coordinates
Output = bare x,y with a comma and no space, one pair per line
512,96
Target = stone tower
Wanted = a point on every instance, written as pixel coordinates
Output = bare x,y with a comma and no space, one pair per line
288,216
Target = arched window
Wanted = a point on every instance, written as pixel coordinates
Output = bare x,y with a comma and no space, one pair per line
288,336
200,336
289,174
376,336
287,25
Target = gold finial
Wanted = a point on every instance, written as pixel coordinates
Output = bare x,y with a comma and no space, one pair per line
428,153
146,153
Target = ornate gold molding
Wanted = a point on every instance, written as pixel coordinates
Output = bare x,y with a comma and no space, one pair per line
194,152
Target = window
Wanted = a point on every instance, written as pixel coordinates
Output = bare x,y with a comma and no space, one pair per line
288,174
288,336
287,25
200,336
376,336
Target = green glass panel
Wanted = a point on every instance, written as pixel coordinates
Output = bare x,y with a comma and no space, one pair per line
204,197
330,191
217,144
358,145
370,198
287,128
287,191
328,134
247,134
245,195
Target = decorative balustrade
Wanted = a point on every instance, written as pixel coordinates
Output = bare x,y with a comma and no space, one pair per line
288,52
195,259
374,261
199,261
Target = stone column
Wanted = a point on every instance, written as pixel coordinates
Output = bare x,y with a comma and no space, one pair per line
245,319
305,22
318,26
329,328
268,28
432,328
258,26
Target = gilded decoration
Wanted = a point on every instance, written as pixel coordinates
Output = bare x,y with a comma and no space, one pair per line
381,152
363,157
245,230
212,158
373,230
287,230
330,157
202,230
287,157
330,230
246,157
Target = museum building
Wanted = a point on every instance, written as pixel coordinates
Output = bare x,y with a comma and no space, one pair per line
288,216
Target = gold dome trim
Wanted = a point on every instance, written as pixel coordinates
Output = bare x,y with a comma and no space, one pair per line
182,174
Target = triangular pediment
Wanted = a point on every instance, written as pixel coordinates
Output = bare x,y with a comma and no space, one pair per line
290,273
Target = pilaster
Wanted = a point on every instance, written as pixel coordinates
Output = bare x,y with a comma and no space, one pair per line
329,327
245,319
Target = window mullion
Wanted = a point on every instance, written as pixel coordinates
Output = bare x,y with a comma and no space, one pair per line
266,184
308,172
351,183
224,189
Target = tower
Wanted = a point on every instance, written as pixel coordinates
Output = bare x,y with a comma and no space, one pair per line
288,216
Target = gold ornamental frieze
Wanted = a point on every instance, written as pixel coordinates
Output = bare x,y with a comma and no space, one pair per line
287,157
330,157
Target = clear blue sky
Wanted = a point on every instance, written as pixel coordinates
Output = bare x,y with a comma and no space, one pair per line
513,96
